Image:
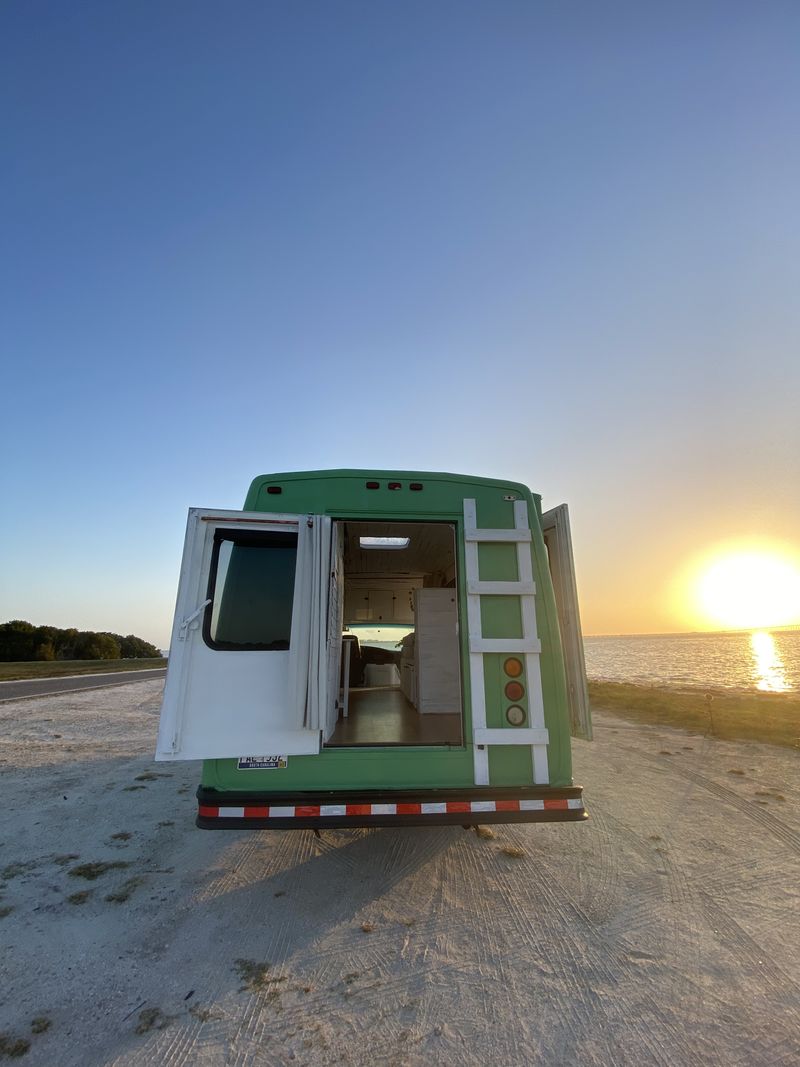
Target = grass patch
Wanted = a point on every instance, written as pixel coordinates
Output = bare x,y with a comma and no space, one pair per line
64,668
771,718
91,871
254,976
14,870
123,835
5,910
203,1014
80,897
40,1024
125,891
68,857
152,1019
13,1047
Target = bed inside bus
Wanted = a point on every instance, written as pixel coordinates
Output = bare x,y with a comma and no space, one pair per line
400,673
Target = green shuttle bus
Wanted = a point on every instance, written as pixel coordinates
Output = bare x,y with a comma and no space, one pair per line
378,648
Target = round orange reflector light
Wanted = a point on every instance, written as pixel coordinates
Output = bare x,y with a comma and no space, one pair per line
513,667
515,691
515,715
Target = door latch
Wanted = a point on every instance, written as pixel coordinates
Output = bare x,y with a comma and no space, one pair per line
184,626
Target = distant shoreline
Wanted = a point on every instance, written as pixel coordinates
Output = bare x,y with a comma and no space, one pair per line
794,628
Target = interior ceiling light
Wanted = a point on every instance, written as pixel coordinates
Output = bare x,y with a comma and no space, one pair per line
384,542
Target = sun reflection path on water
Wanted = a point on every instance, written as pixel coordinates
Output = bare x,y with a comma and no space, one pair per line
768,669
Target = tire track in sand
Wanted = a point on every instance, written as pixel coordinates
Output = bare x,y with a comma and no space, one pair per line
778,828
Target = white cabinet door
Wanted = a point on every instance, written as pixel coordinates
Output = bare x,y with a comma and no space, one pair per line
437,653
227,686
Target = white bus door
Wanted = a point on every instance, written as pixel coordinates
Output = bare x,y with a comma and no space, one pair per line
249,595
557,537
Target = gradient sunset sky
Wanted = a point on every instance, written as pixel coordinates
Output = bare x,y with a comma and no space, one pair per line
558,243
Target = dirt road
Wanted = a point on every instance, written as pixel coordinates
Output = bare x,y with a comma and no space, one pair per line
666,930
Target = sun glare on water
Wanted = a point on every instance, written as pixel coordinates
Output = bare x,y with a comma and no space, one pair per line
768,670
749,590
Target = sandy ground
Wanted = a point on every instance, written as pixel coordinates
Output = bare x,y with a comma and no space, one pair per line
664,931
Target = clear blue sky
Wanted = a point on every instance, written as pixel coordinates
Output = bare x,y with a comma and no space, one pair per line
553,242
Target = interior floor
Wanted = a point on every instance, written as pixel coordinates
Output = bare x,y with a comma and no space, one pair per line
383,716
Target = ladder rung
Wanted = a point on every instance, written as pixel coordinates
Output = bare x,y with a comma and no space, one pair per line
509,645
514,536
512,736
478,588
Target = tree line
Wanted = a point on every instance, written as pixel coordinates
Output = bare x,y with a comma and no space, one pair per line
21,641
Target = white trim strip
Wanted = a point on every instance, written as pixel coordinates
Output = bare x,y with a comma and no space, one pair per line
477,682
541,770
533,668
480,763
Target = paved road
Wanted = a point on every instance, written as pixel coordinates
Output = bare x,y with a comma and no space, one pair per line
29,687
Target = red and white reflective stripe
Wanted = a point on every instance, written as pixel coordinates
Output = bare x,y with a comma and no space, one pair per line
438,807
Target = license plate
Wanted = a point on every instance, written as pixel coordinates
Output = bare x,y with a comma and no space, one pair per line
263,763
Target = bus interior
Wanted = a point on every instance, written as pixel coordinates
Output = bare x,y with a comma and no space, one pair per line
400,671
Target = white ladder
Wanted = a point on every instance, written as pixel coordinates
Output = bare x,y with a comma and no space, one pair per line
528,646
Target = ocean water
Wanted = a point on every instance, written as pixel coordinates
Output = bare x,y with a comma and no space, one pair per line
768,661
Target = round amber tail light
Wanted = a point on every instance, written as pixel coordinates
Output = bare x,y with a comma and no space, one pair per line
513,667
514,691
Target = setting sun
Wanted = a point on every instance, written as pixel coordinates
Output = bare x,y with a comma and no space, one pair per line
748,589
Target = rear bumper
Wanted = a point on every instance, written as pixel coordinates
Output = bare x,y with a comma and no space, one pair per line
395,807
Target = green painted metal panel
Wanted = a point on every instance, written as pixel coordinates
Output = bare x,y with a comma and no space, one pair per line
497,562
501,616
510,764
350,769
